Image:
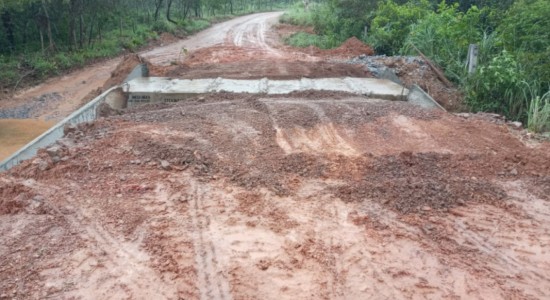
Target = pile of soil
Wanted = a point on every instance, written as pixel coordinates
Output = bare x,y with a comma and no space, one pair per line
128,63
317,185
350,48
255,69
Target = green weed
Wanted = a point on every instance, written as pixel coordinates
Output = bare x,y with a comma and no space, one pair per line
538,119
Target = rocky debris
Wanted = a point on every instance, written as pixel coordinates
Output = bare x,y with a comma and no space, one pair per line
411,70
41,164
105,110
165,165
378,64
54,151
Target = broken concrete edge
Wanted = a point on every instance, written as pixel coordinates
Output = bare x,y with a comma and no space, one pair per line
86,113
418,96
139,71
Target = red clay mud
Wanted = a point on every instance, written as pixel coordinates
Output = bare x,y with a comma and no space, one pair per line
298,197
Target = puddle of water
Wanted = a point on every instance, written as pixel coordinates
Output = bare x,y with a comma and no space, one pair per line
16,133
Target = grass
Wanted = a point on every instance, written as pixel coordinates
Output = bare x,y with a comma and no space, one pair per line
297,15
539,113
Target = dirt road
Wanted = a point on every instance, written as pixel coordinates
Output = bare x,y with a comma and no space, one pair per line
74,87
316,195
246,31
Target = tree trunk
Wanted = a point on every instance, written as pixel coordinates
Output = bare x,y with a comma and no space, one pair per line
81,37
158,4
8,29
91,31
168,12
41,39
48,26
72,24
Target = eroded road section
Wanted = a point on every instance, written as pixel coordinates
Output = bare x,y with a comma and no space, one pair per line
319,196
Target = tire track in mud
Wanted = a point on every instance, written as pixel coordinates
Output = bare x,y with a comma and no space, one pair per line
212,282
121,267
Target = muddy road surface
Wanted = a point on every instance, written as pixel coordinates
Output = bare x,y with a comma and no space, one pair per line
312,196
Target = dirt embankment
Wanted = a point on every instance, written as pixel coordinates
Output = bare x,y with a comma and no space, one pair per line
311,196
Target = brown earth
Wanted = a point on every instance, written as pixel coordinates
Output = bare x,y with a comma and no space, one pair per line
311,196
315,195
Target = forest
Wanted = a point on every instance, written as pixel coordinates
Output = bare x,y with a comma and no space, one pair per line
513,36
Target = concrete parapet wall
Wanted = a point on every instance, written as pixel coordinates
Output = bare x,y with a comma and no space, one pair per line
85,114
161,89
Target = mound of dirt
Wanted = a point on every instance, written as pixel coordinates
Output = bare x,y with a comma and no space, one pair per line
255,69
350,48
128,63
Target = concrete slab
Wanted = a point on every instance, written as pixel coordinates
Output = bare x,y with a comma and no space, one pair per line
280,87
377,88
153,89
418,96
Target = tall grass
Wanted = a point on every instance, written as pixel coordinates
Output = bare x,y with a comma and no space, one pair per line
539,113
297,15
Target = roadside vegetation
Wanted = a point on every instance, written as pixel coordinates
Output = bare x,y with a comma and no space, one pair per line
43,38
513,74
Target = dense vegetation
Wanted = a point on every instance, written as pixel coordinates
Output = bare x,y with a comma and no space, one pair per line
513,77
40,38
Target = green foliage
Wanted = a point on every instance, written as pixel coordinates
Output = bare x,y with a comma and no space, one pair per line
392,24
297,15
163,26
500,87
342,19
539,113
195,25
444,36
525,32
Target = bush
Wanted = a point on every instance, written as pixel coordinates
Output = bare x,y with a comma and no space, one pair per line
42,66
297,15
525,32
63,60
445,35
195,25
499,87
163,26
392,23
342,19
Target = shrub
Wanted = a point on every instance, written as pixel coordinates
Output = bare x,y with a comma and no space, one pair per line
392,23
525,32
500,87
195,25
444,36
297,15
43,66
63,60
